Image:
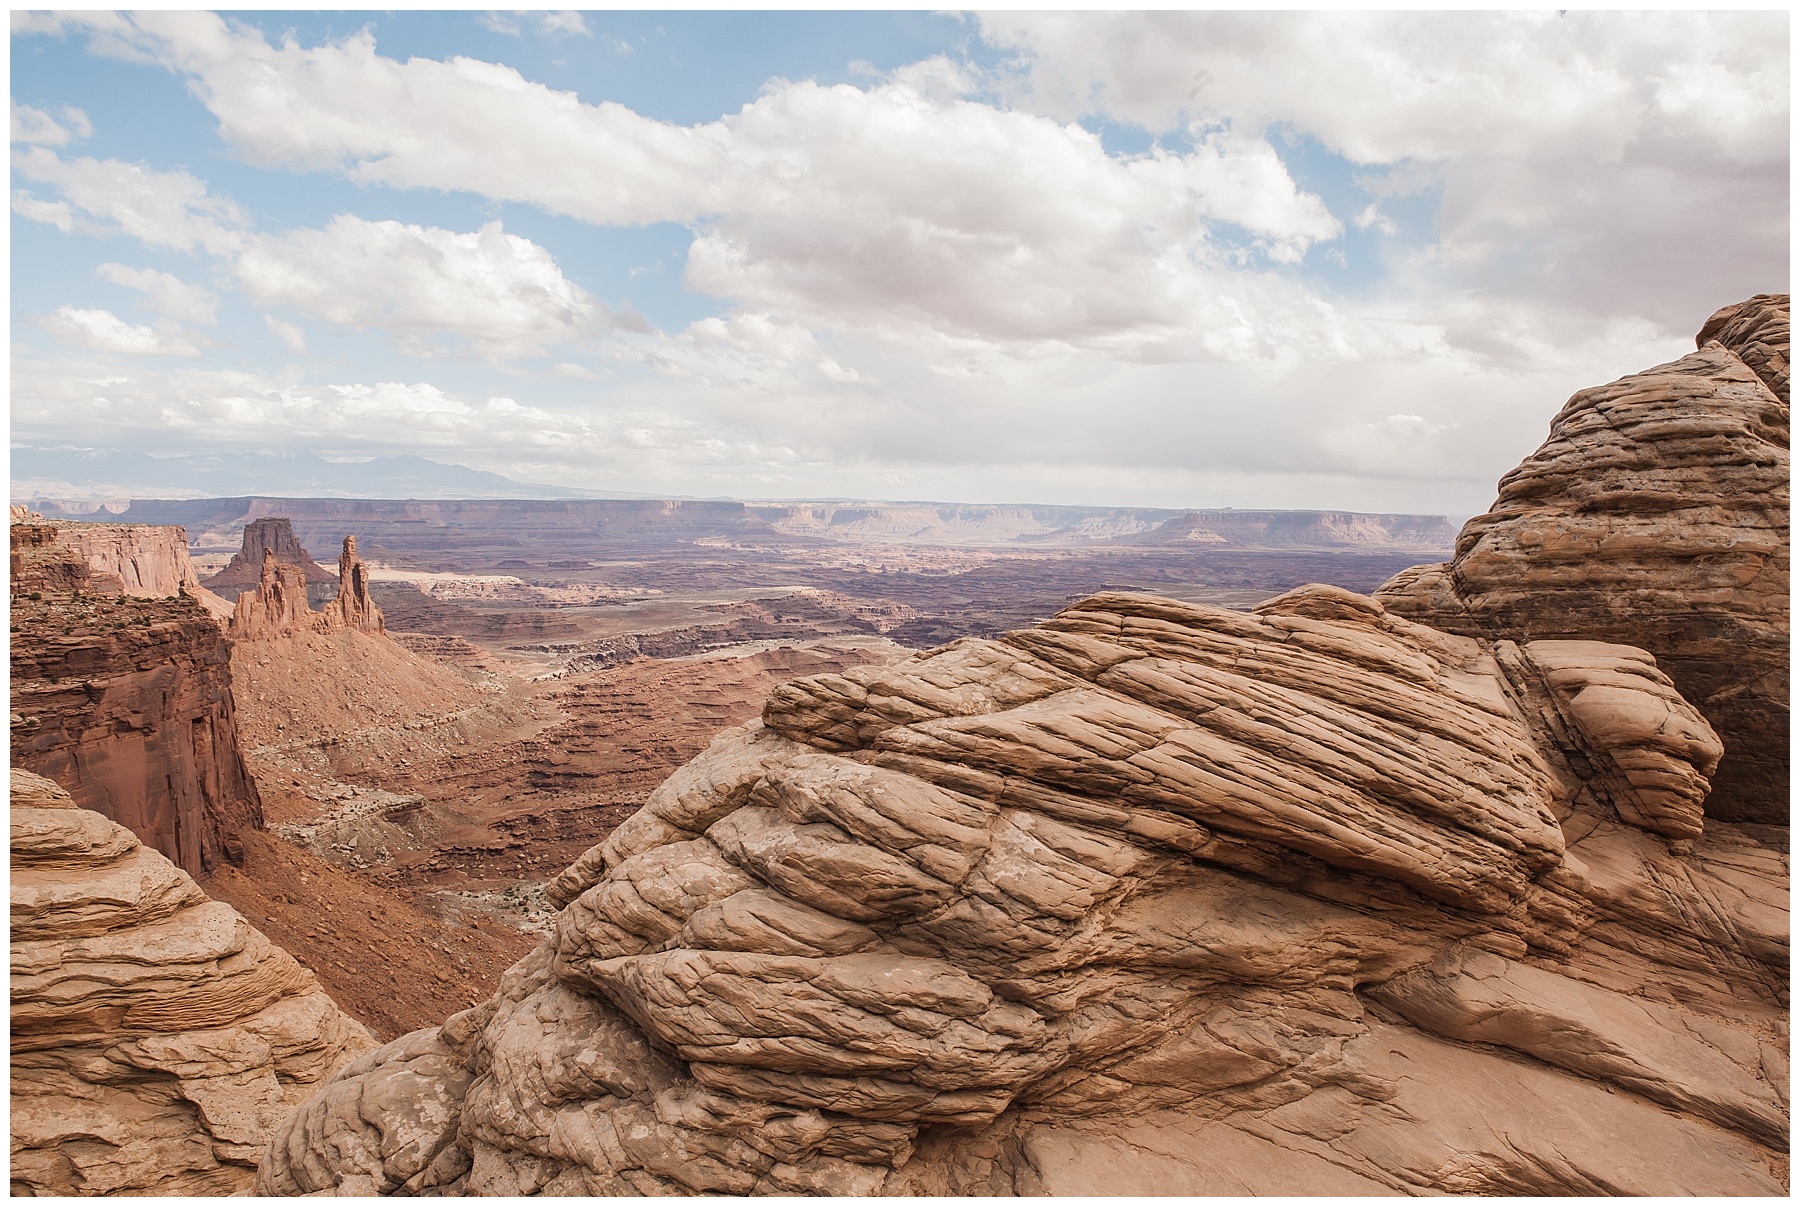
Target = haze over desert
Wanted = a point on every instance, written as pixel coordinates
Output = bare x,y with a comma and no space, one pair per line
884,603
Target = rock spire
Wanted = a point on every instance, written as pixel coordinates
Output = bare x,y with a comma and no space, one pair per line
277,607
352,609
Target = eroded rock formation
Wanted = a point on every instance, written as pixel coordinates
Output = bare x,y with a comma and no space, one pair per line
156,1036
277,607
352,609
143,560
261,536
126,702
1150,898
1656,513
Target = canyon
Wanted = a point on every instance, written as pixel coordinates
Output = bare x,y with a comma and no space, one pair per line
847,848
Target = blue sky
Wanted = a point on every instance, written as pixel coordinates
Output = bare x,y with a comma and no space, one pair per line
1167,259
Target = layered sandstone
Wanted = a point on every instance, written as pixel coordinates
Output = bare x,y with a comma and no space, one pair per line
143,560
352,609
277,607
1150,898
262,536
156,1037
127,703
1656,513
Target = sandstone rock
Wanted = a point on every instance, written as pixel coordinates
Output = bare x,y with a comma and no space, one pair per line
127,703
1656,514
1315,900
277,608
268,534
149,561
156,1037
352,609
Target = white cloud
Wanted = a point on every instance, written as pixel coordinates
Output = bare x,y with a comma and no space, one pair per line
904,205
164,209
56,213
499,294
165,292
549,23
566,21
31,125
104,331
290,335
1600,163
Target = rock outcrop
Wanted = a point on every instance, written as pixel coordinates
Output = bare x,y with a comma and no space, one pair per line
277,607
143,560
127,703
156,1036
352,609
1656,513
1150,898
261,536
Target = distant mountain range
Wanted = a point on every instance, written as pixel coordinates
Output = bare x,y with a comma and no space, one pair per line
544,532
89,474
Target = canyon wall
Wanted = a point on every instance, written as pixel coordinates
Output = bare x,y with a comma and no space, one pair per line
156,1037
123,559
1656,513
126,702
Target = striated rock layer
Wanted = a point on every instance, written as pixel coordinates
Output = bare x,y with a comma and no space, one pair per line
277,607
127,703
156,1037
261,536
1655,513
144,560
1150,898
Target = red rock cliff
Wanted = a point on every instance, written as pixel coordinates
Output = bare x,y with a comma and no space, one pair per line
126,703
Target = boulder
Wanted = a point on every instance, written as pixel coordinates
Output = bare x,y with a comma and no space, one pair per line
1150,898
157,1038
1656,513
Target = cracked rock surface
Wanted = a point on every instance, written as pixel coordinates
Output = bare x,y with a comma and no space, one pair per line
1656,513
1150,898
157,1038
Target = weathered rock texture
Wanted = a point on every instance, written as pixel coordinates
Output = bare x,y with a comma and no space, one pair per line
143,560
1151,898
270,533
126,702
277,607
156,1036
1656,513
352,609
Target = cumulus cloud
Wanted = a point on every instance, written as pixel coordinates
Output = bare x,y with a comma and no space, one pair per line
109,196
104,331
1602,163
903,205
499,294
164,292
32,125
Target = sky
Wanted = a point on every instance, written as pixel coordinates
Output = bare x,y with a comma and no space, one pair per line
1305,260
